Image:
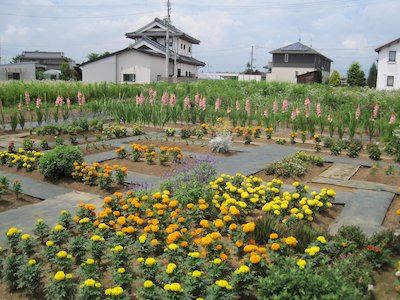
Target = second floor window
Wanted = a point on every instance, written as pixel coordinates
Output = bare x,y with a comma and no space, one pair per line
286,58
392,56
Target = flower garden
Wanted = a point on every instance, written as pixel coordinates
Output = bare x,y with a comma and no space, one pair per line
200,233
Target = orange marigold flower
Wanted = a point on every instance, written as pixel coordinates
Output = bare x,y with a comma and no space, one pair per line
255,259
275,246
273,236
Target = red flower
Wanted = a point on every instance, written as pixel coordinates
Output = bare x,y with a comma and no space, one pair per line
370,248
378,250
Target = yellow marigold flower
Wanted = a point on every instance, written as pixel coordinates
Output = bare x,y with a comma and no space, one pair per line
142,238
59,276
150,261
176,287
96,238
11,231
248,227
90,261
108,292
194,254
39,221
224,284
321,239
31,262
217,261
148,284
90,282
117,248
301,263
62,254
197,273
58,227
49,243
140,259
117,291
25,237
121,270
291,241
331,193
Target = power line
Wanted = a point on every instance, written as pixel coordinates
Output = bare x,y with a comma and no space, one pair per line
76,17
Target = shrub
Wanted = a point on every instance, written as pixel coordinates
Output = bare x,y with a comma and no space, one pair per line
335,149
59,162
353,234
185,133
222,142
137,129
296,283
386,239
374,152
328,142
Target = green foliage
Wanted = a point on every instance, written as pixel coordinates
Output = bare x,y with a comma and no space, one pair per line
374,152
296,283
386,239
372,76
66,72
59,162
353,234
293,165
334,80
355,76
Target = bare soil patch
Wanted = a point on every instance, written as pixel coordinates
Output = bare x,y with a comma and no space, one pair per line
392,219
9,200
377,175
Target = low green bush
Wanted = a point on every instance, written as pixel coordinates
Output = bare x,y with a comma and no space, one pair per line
59,162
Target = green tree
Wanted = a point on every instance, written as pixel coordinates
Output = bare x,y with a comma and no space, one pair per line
16,59
334,80
372,75
65,71
355,76
93,56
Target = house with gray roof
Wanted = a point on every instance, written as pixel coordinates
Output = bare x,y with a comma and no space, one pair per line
388,77
295,60
144,60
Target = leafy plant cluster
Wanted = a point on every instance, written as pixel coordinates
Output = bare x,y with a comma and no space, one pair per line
293,165
78,126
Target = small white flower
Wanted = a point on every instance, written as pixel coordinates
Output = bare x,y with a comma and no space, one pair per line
397,274
370,287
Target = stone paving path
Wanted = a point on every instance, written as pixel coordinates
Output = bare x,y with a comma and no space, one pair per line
366,207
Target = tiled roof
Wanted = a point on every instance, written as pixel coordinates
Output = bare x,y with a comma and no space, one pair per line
297,48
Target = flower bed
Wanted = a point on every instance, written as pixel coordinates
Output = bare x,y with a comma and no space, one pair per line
158,246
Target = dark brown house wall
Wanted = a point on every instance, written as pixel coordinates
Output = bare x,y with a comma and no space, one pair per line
301,60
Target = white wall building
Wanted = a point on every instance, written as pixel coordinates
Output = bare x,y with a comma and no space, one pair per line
144,61
25,71
388,66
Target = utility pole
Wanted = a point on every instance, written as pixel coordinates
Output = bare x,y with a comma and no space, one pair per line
252,58
167,20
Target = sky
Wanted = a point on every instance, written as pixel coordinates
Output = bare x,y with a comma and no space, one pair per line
343,30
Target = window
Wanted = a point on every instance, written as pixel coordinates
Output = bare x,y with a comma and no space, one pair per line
392,56
184,47
390,81
190,49
129,77
286,59
13,76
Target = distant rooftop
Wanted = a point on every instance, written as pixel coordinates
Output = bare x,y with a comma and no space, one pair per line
42,54
297,48
387,44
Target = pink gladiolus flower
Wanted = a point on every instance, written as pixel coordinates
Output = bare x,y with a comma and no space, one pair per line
247,107
164,98
172,100
294,115
202,103
217,104
59,101
275,107
376,111
358,112
38,102
186,103
330,119
152,96
79,96
285,105
237,105
139,99
27,99
319,110
68,102
392,119
307,103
